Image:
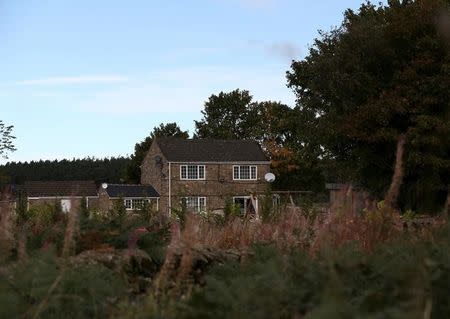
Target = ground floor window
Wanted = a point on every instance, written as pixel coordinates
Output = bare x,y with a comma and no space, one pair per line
66,205
247,204
135,203
197,204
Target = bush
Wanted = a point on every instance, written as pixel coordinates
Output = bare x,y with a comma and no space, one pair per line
400,279
45,288
45,226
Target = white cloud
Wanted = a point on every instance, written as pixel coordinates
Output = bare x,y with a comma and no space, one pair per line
85,79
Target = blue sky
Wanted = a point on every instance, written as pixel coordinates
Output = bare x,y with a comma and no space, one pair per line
92,78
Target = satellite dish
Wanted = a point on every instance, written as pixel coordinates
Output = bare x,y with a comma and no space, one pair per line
104,186
269,177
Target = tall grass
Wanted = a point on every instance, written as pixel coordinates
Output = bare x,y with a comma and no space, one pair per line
7,229
294,263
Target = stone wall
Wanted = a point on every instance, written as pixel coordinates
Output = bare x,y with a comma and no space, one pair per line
217,186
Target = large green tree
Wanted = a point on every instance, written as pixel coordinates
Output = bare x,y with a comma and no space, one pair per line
133,171
6,139
226,116
235,115
375,95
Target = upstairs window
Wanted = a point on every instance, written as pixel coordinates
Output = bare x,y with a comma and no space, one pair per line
196,204
244,172
192,172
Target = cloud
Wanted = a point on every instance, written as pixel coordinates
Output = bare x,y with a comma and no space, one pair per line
85,79
285,50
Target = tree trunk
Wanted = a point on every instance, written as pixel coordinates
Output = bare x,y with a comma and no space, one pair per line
397,178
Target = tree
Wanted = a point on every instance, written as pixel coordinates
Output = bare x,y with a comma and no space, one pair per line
133,170
6,139
234,115
226,116
110,170
374,94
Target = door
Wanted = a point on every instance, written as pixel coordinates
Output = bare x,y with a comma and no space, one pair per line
66,205
247,204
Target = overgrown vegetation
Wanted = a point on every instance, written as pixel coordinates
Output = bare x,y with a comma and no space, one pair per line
290,264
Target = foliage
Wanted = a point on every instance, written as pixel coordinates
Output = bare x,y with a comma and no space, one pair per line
22,209
180,213
44,287
267,210
402,279
231,210
118,212
154,243
147,211
45,226
6,139
109,170
226,116
133,171
295,265
383,73
234,115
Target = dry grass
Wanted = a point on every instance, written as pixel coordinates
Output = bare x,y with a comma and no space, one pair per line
7,227
72,230
291,230
201,242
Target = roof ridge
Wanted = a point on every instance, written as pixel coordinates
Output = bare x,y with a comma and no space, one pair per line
62,181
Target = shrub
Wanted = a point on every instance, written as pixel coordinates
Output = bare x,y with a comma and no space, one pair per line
399,279
45,288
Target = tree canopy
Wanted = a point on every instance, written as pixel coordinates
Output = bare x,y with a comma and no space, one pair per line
226,116
235,115
133,169
109,170
6,139
382,77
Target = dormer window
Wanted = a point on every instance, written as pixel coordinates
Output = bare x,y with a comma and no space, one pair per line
244,172
192,172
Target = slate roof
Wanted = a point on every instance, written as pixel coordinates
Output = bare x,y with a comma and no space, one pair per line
210,150
124,190
59,188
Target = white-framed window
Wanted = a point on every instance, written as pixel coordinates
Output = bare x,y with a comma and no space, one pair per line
197,204
135,203
128,204
245,172
192,172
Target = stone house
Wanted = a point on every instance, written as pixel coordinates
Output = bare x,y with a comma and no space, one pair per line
205,173
133,196
65,193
